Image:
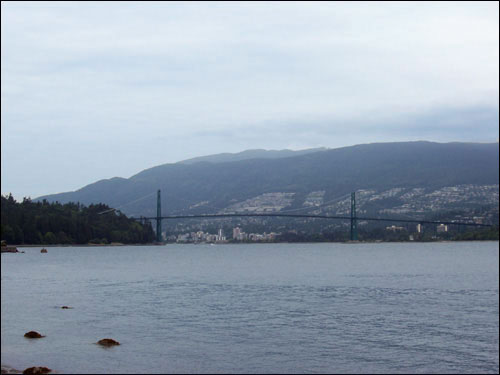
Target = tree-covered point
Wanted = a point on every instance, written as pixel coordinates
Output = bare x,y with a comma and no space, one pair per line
71,223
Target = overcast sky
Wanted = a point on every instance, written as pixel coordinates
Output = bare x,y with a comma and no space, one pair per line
95,90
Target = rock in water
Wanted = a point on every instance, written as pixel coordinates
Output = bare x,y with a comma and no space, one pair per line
43,250
33,335
108,342
37,370
66,307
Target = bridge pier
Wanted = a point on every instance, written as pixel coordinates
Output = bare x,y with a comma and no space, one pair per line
354,222
158,218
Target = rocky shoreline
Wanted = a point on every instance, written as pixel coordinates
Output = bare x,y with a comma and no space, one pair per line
31,370
9,370
9,249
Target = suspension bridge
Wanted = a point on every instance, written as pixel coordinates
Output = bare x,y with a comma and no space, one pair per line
353,218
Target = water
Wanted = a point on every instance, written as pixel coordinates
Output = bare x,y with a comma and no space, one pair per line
263,308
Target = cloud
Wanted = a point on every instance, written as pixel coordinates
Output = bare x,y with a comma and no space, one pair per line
95,80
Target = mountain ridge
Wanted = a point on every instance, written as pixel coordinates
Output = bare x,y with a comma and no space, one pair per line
250,154
336,171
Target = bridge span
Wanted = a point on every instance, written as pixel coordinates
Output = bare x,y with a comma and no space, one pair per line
353,218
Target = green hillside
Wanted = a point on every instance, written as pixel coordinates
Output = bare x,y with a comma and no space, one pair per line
205,187
30,222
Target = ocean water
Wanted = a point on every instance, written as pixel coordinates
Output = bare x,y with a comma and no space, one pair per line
263,308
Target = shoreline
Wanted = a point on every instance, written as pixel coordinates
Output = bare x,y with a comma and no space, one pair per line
6,369
87,245
9,249
247,243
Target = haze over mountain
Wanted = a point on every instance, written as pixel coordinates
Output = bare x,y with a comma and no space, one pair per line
251,154
203,187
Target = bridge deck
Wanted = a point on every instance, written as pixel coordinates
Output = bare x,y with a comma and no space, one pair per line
311,217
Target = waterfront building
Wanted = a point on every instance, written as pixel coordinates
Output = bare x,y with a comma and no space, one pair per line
220,236
441,228
394,228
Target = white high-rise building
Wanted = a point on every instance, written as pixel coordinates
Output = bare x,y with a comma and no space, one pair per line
220,236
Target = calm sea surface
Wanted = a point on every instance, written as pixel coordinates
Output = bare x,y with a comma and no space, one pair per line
268,308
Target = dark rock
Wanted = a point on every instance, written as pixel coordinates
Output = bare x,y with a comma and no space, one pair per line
43,250
37,370
66,307
33,335
108,342
9,249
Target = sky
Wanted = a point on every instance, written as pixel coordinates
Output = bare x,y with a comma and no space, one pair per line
94,90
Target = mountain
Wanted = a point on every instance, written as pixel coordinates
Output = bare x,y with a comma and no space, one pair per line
272,184
251,154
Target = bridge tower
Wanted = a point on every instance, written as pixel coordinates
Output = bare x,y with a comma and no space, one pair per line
158,217
354,223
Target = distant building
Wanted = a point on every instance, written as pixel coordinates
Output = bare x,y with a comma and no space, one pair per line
419,228
183,237
236,233
441,228
220,236
211,238
271,236
394,228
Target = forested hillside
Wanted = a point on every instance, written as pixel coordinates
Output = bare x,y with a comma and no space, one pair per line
207,187
30,222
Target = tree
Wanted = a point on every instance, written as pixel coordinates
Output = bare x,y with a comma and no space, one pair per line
49,238
8,234
37,222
